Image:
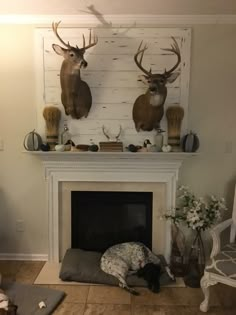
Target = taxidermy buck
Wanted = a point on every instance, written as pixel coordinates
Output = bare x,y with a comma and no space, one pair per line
75,95
148,108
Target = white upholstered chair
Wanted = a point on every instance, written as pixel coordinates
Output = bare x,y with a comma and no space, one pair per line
222,265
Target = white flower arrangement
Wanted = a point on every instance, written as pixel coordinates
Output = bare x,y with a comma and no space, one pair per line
197,213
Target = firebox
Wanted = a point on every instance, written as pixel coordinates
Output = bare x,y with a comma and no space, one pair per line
100,219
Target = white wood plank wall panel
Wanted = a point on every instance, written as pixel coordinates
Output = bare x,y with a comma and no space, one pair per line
113,77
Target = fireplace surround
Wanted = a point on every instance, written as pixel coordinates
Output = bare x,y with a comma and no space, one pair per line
102,171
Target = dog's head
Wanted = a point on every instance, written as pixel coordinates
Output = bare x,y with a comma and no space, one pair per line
151,273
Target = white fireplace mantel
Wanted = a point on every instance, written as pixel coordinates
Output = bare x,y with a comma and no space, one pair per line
106,167
113,160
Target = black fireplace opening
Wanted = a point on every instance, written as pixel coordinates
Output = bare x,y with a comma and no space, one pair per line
105,218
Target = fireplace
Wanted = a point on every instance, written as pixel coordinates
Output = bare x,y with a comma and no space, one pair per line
159,229
100,219
156,173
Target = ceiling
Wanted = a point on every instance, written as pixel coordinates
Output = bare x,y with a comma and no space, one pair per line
107,7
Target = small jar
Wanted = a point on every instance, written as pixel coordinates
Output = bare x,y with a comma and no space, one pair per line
159,140
65,135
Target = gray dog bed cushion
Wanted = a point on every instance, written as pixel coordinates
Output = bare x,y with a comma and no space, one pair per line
27,298
84,266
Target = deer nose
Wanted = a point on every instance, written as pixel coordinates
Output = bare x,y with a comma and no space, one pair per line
152,88
84,63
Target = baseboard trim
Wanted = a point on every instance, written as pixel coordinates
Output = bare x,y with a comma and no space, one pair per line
30,257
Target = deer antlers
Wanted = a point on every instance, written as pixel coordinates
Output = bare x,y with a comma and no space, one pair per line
95,40
174,48
108,137
91,44
54,28
139,62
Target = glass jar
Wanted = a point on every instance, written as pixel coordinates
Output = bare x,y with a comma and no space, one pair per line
159,140
65,135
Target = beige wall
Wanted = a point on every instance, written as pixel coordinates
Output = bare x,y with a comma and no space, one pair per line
22,187
55,7
212,112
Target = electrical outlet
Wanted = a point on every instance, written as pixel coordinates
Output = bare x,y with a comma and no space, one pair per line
20,225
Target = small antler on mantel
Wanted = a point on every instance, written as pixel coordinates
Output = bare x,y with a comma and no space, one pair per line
107,135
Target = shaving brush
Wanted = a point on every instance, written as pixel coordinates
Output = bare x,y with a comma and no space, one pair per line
174,115
52,116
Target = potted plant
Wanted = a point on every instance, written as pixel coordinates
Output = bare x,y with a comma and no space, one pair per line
198,214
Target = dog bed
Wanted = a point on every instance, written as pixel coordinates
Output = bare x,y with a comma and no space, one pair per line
27,298
84,266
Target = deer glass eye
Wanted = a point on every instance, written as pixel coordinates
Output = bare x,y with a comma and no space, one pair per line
72,54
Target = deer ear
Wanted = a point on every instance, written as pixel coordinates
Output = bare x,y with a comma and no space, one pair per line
173,77
58,49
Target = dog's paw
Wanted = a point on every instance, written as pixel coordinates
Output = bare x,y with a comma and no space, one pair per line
170,274
134,292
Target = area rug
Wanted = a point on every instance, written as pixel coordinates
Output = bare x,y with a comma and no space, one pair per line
50,275
27,298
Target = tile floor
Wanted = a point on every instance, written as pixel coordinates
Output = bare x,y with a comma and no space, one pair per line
104,300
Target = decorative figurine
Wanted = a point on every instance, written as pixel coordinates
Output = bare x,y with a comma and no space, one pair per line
32,141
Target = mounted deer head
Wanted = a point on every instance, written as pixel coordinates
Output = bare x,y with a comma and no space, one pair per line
75,93
148,108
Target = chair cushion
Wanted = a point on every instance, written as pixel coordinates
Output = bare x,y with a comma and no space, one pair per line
224,263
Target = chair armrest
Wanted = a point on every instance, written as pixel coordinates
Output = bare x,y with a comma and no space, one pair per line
215,234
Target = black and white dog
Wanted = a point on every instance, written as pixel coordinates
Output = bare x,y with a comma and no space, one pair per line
132,257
